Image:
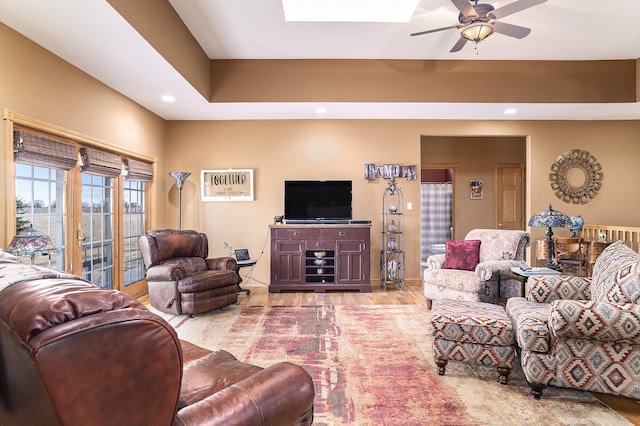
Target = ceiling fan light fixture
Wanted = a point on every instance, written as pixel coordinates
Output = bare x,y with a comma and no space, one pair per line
477,31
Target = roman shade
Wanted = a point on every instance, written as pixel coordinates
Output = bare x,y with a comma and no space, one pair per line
43,152
138,170
100,163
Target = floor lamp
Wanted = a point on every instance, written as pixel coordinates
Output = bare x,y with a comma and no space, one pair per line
551,219
180,177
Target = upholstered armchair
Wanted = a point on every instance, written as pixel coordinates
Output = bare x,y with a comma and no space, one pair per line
469,269
583,333
180,278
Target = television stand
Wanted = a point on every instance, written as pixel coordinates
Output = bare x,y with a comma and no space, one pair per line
320,258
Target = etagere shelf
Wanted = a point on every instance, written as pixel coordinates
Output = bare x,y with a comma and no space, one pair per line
392,256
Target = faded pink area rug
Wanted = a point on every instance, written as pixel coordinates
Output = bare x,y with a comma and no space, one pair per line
372,365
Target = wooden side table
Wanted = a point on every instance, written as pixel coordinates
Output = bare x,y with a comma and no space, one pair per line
542,252
594,249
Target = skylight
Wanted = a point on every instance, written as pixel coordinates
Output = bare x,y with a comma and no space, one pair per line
349,10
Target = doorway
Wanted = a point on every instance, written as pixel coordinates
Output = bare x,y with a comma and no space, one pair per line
473,159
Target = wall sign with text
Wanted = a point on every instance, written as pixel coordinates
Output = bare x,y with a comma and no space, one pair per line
227,185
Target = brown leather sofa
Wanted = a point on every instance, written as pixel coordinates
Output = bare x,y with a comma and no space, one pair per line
75,354
180,278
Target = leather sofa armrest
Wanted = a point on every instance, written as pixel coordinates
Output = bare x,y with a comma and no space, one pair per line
487,269
165,272
601,321
221,263
547,288
281,394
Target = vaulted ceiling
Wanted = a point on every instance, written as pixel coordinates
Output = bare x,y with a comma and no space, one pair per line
203,52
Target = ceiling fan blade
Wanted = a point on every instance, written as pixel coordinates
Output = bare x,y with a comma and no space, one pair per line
515,31
464,7
514,7
459,45
435,31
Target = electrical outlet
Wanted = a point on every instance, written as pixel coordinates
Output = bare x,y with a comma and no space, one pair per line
409,206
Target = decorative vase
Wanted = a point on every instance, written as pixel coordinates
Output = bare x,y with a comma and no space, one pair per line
393,209
392,267
391,244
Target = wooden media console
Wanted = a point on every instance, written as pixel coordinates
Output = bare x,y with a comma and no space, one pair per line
320,258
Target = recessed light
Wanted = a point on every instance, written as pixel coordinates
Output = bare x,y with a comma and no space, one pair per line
321,110
168,98
349,10
510,111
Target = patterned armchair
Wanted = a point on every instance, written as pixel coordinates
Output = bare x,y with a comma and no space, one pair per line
583,333
500,249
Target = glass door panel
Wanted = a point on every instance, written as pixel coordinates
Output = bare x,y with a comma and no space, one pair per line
97,230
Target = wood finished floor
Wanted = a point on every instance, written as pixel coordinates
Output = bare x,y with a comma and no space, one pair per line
412,295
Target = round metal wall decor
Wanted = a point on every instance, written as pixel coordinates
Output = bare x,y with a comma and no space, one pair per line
576,176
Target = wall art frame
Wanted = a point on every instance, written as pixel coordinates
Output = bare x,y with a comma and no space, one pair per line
227,185
476,189
390,171
571,163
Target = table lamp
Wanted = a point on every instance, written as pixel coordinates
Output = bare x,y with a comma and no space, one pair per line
551,219
577,223
31,243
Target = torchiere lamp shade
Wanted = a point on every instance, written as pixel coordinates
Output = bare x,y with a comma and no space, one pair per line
180,177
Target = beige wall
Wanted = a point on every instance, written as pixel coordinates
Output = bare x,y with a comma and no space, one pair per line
328,149
305,149
37,84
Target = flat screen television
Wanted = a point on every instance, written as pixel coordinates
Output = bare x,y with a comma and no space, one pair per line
317,201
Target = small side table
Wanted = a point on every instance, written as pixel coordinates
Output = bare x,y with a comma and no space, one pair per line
509,275
522,277
242,264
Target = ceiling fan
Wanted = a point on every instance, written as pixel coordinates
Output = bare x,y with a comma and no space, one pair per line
479,21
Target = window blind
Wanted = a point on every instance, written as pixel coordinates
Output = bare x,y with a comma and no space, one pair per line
100,163
43,152
138,170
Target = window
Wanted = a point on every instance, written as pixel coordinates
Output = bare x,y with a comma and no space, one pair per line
40,203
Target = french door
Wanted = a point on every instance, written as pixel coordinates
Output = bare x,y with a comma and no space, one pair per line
97,230
98,235
89,198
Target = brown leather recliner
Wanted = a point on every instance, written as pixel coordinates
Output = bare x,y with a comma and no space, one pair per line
75,354
180,278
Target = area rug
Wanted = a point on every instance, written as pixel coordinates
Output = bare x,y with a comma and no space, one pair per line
372,365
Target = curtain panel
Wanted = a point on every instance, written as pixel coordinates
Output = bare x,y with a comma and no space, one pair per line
435,216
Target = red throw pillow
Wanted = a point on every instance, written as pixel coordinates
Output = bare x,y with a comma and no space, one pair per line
463,255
